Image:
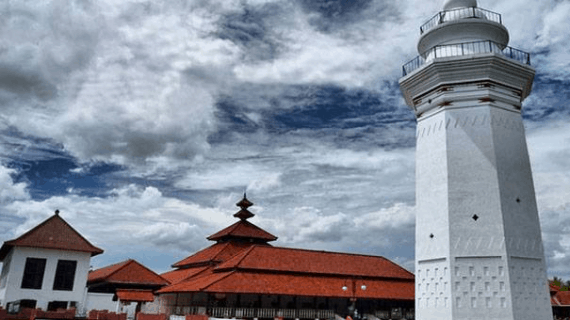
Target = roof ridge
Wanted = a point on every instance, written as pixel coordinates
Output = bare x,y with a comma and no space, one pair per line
224,246
245,254
125,263
332,252
220,279
152,271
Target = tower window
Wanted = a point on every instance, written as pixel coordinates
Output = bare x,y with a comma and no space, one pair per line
475,217
64,275
33,273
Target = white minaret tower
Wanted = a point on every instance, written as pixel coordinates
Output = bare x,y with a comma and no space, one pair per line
479,252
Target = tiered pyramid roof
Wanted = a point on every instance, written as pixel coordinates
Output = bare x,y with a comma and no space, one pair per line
242,261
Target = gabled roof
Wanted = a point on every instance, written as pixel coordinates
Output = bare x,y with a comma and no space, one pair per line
295,285
289,260
245,230
126,272
214,254
54,233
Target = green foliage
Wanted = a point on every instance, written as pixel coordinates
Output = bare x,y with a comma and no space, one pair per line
563,285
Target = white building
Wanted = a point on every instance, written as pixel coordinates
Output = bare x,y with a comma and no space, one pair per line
46,267
479,252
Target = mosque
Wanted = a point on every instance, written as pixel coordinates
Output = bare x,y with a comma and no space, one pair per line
479,251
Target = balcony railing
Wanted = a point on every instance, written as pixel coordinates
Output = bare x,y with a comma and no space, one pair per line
462,13
241,313
228,312
464,49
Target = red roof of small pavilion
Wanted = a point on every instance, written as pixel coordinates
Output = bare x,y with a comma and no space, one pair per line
126,272
243,229
53,233
135,295
558,297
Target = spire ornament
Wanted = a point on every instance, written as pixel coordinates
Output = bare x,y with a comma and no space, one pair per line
244,214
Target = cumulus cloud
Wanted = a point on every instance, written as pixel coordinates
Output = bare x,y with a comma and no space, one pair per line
132,216
549,150
295,102
11,191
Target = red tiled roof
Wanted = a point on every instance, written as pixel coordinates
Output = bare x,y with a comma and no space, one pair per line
243,229
216,253
178,275
561,298
134,295
277,259
129,271
54,233
297,285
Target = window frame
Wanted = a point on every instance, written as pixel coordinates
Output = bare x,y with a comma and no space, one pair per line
64,278
34,272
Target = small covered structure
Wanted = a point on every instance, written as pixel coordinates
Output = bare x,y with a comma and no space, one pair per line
560,301
127,283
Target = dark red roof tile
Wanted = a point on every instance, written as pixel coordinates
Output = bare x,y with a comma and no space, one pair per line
297,285
277,259
175,276
243,229
563,298
129,271
214,254
134,295
54,233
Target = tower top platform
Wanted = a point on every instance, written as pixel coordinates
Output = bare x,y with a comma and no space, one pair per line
456,4
462,21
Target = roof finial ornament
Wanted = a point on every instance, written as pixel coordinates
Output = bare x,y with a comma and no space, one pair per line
244,214
56,212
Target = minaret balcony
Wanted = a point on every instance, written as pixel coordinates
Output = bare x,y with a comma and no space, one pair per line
465,49
461,13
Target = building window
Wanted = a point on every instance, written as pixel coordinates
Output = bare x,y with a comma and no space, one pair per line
64,275
33,273
55,305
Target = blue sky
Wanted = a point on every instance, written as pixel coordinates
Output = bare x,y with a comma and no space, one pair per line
144,122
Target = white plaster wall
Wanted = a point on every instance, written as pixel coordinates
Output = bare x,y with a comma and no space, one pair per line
100,301
46,294
4,278
432,220
472,160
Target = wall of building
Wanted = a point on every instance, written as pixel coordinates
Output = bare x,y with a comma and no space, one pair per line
100,301
104,301
4,277
17,263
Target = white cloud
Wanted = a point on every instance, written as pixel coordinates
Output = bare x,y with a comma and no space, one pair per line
130,217
549,148
10,191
